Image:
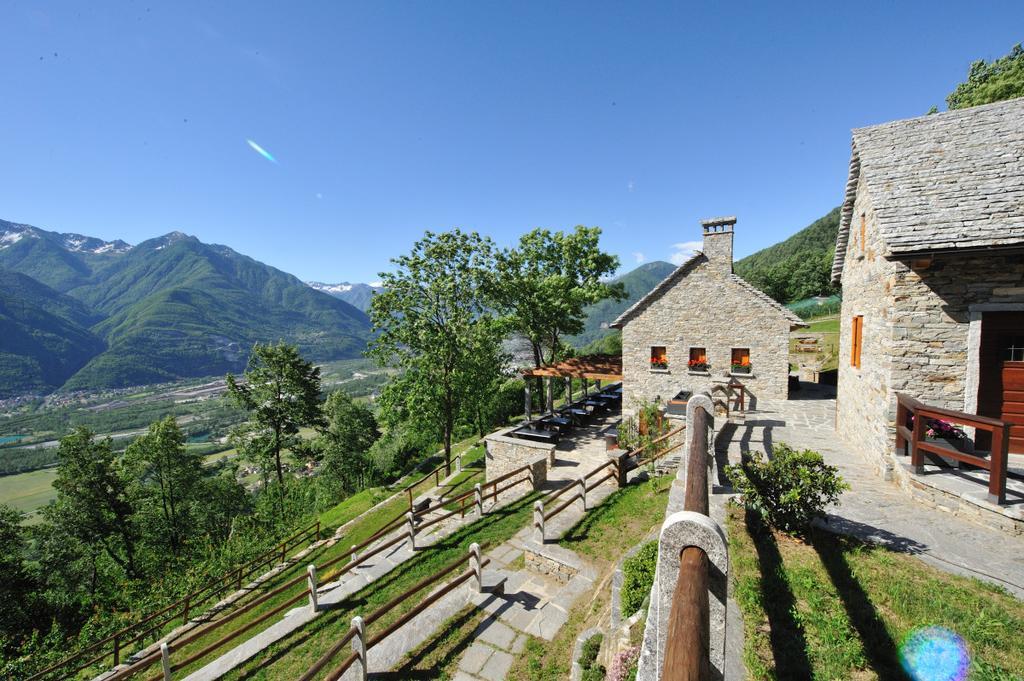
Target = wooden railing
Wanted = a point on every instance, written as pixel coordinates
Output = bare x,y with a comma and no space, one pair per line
411,520
356,633
122,642
687,652
912,423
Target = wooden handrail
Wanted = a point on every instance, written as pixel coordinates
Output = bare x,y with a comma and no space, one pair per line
907,408
687,653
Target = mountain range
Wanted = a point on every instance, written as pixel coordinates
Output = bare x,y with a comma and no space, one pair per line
357,295
78,312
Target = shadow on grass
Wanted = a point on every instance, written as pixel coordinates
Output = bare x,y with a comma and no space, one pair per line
335,621
788,641
606,510
878,646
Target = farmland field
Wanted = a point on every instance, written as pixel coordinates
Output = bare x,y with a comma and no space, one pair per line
28,492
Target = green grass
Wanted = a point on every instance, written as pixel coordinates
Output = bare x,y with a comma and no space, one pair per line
623,520
827,325
839,609
28,492
291,657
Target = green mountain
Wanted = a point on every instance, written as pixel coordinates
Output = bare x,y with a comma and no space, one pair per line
637,284
174,307
45,336
797,268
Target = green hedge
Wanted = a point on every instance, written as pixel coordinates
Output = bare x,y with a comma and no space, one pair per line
638,577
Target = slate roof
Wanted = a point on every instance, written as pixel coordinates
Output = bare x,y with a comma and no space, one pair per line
949,181
680,272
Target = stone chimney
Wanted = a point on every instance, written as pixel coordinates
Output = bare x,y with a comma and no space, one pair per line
718,242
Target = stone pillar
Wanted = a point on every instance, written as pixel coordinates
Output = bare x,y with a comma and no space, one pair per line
568,391
477,563
410,523
538,521
311,580
458,463
551,395
355,556
527,404
582,482
621,460
679,531
703,401
165,660
478,496
359,646
539,473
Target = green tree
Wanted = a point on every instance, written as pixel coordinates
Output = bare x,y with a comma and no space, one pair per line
343,444
281,392
989,82
92,502
543,285
166,480
431,317
17,588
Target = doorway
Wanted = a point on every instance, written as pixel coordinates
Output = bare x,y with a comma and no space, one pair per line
1001,375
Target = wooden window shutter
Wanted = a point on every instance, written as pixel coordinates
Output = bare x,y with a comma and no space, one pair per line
857,337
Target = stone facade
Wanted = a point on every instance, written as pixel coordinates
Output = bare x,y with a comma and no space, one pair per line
704,305
505,454
917,334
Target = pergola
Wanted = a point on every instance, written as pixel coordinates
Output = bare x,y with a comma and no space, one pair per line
592,367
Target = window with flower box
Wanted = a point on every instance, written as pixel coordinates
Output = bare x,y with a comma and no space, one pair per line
740,361
659,357
699,360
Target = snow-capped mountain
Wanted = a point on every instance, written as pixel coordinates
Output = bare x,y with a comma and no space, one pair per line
358,295
12,232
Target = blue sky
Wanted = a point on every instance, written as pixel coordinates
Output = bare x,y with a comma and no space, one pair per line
130,120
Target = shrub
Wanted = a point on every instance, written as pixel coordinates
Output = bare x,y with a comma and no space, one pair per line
790,490
638,577
624,665
588,656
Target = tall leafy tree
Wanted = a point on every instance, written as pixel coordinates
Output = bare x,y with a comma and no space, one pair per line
343,444
16,584
989,82
281,392
431,317
166,480
92,504
544,283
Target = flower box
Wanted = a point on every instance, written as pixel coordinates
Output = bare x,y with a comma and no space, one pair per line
740,368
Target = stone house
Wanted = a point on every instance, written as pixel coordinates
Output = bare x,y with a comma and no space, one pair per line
930,254
703,325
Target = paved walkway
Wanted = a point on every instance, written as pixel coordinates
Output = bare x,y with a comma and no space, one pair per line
873,508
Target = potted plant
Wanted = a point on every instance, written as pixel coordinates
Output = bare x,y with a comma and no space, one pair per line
741,367
659,362
699,365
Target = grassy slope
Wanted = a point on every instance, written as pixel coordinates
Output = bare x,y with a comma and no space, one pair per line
818,237
839,609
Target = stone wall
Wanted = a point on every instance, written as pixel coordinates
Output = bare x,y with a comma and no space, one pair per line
705,308
505,454
863,394
917,331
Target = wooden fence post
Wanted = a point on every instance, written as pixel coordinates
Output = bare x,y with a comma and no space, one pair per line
359,645
165,659
312,581
538,520
476,562
916,455
117,650
184,610
410,521
997,464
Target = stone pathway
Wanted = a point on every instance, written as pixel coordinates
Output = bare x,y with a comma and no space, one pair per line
875,509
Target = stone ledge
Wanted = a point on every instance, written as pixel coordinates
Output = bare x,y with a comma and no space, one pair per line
557,562
970,504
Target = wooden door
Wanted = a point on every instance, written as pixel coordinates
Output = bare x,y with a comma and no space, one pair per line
1001,384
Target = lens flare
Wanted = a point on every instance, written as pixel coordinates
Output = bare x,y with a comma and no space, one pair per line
935,654
261,151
